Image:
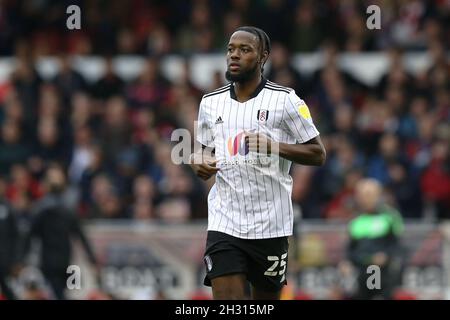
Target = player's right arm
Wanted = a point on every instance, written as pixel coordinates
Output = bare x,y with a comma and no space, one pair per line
203,161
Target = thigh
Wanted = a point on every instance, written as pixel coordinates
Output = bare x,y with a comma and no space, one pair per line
229,287
226,266
267,267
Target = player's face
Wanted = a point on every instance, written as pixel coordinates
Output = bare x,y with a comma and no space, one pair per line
242,57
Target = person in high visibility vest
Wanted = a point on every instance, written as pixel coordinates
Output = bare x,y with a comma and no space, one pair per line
374,246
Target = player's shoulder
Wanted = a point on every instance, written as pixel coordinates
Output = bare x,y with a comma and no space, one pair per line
277,87
217,91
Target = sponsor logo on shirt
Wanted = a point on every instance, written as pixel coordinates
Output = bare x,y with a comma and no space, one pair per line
237,145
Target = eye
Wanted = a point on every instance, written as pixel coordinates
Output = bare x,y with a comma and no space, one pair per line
245,50
229,50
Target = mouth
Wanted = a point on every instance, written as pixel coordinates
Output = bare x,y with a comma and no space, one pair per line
234,66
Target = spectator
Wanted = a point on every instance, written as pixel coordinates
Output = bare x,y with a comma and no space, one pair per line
22,183
81,155
308,33
115,133
199,29
144,198
106,202
13,110
68,81
49,145
151,89
405,189
26,82
159,41
302,194
396,76
83,113
282,72
342,205
144,188
12,149
389,151
9,240
374,240
109,85
55,225
339,164
409,122
95,168
435,183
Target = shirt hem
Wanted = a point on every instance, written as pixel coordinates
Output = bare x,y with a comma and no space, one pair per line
252,237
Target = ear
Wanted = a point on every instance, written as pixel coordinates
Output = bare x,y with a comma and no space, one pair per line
264,57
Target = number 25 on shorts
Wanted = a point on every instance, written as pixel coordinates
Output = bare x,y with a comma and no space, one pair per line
281,261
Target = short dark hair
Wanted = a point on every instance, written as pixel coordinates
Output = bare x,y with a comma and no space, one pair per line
263,38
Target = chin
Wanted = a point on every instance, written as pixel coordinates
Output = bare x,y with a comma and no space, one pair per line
236,76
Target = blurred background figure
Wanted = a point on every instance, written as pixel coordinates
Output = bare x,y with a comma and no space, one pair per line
374,240
55,225
9,239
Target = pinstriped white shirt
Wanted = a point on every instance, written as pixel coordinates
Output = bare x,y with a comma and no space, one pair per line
251,197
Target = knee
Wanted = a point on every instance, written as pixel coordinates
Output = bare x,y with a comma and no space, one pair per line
228,288
228,293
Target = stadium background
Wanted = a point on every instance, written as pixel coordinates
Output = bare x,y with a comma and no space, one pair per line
104,100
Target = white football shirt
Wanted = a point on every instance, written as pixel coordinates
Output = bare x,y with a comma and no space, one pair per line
251,198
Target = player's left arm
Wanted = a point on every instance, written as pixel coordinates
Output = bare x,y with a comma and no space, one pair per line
298,123
310,153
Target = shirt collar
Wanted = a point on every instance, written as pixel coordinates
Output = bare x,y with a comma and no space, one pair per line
254,94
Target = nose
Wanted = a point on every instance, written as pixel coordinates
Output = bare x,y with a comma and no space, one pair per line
234,54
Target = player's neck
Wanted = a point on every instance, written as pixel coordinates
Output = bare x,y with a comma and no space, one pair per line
245,90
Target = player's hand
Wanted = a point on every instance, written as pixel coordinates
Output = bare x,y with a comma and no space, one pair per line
203,168
258,142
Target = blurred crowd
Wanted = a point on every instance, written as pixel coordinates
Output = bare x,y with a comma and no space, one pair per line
113,136
162,27
397,132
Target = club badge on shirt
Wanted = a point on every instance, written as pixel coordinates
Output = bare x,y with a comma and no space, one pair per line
262,115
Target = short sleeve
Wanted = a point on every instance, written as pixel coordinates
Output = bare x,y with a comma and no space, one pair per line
298,120
204,127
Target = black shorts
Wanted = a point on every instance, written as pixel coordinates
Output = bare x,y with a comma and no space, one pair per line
264,261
